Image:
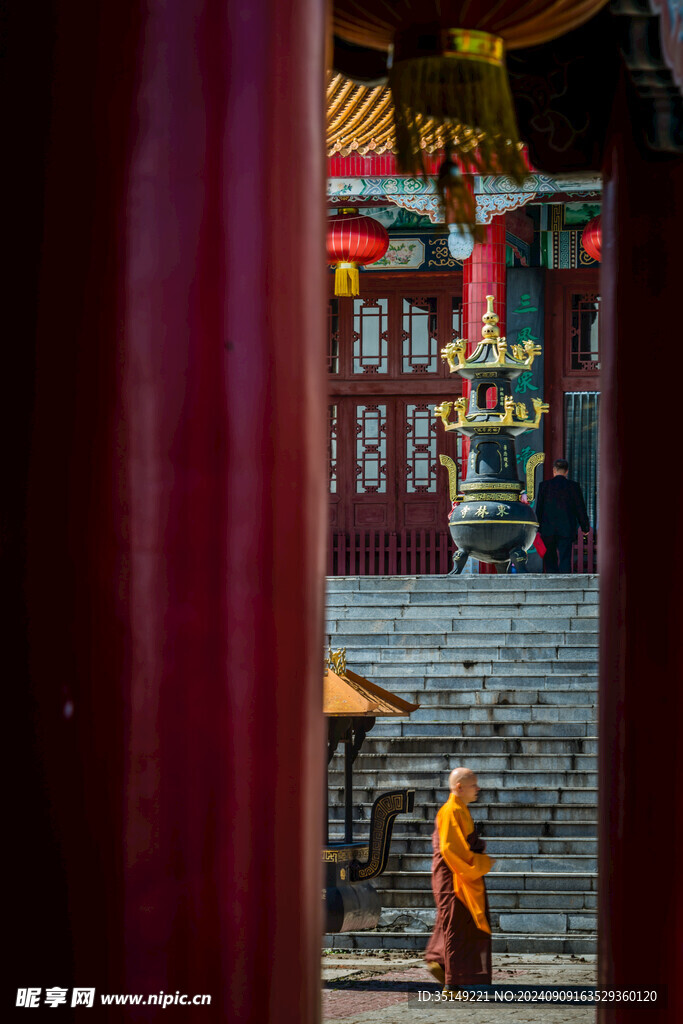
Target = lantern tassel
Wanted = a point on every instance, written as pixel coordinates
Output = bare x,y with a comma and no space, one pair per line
346,281
469,99
459,208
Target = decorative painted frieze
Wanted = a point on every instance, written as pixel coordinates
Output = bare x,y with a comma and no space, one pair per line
494,194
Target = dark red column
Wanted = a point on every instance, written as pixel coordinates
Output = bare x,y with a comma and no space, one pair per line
176,504
641,567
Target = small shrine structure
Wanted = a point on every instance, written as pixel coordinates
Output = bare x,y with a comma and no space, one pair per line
351,705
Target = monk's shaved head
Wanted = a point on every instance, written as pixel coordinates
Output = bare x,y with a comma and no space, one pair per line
460,775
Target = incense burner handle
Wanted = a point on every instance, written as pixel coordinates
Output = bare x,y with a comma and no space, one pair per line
535,460
384,811
452,468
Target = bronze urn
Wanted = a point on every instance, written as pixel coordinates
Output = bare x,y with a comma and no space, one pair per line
488,520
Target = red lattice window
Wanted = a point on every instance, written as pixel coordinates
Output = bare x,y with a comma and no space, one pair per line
370,334
584,332
421,437
419,341
371,449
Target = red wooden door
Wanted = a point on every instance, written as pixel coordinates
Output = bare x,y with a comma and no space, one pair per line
385,473
386,377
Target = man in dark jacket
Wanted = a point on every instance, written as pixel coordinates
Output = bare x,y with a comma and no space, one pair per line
560,509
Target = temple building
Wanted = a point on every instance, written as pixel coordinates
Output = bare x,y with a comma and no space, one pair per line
385,372
388,493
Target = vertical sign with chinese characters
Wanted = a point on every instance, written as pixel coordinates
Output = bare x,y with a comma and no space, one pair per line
525,321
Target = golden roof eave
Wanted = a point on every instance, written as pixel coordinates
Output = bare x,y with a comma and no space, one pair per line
360,120
351,695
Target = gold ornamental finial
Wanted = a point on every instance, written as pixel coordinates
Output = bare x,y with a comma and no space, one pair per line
490,330
336,660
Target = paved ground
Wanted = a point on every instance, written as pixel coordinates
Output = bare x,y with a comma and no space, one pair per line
383,988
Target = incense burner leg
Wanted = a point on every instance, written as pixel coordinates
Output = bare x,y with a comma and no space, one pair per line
459,560
518,559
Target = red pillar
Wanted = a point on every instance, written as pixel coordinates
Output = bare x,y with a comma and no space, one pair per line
483,274
641,567
176,503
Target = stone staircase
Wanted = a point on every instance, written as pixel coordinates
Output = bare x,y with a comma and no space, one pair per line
505,671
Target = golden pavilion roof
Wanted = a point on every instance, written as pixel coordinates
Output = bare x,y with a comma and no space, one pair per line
351,694
360,120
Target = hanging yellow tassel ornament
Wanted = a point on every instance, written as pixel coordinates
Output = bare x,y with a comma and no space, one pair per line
457,79
346,279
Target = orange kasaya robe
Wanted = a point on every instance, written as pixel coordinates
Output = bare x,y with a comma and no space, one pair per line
454,824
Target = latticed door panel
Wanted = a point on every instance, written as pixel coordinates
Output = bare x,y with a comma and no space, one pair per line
582,332
393,334
386,376
370,336
419,336
384,469
421,481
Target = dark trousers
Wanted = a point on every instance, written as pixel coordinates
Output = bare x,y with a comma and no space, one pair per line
557,547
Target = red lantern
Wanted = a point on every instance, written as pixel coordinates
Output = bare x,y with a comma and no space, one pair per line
591,238
353,241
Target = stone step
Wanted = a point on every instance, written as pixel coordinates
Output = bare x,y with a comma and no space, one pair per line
462,584
480,746
463,676
500,943
460,674
415,863
439,697
482,608
508,621
578,881
541,658
529,922
410,828
497,820
440,598
479,635
366,778
499,900
470,675
428,801
480,762
487,813
503,846
507,713
386,728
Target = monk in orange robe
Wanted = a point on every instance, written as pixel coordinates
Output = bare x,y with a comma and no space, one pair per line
459,950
